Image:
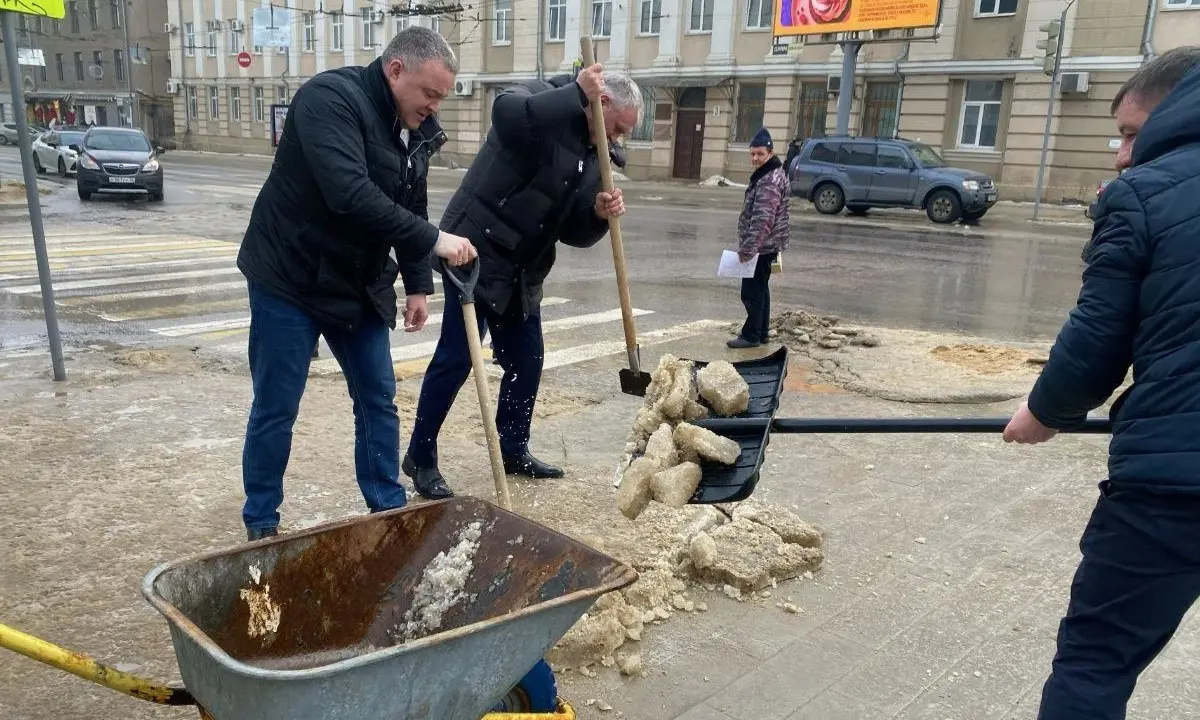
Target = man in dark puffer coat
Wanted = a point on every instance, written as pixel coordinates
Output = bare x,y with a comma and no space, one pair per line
1139,307
535,181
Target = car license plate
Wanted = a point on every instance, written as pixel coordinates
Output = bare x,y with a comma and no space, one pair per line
122,180
991,197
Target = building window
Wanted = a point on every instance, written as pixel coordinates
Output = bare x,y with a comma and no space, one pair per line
994,8
260,104
310,31
1183,3
189,39
502,24
435,23
651,17
214,103
78,66
981,114
58,66
74,13
98,65
233,37
93,15
119,64
701,16
759,14
281,95
235,104
644,132
339,31
368,28
192,106
115,8
812,110
879,113
601,18
43,73
58,27
556,20
751,98
211,41
399,23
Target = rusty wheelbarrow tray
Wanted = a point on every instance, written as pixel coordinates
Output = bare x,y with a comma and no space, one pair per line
302,625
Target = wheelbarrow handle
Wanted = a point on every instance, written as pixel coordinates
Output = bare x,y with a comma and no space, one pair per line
1091,426
466,286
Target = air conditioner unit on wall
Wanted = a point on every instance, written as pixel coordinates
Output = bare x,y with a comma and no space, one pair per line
377,16
464,87
1074,82
237,25
169,29
833,84
172,87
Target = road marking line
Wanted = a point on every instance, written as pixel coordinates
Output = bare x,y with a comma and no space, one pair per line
72,241
117,298
70,264
97,269
110,250
57,234
123,280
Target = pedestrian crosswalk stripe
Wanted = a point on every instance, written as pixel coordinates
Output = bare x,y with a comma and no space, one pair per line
99,241
109,250
124,280
69,271
138,295
52,235
76,264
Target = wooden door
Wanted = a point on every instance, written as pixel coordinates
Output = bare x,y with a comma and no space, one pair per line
689,143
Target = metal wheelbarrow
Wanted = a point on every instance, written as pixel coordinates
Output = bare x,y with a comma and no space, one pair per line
322,623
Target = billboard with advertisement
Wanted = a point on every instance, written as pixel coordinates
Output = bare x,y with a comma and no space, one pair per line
278,115
817,17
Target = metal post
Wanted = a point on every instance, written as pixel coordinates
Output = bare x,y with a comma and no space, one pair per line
133,118
846,88
1062,28
31,193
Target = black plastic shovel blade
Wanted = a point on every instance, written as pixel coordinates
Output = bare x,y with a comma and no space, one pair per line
634,383
721,483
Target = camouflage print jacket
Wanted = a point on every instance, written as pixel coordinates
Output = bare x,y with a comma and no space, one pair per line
763,224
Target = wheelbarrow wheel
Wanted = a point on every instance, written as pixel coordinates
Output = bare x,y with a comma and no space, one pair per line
536,692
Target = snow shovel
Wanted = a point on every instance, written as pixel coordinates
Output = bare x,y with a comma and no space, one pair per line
633,380
466,288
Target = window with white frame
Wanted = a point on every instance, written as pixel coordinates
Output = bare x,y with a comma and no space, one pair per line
980,122
210,42
435,23
310,31
992,8
214,103
502,22
189,39
651,17
260,104
368,27
399,23
114,8
602,18
556,20
233,38
338,31
644,131
1183,3
701,16
758,14
235,104
281,95
192,104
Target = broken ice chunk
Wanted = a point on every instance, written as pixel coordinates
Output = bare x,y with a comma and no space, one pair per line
724,388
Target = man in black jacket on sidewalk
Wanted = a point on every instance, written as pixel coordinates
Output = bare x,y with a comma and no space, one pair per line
346,191
535,181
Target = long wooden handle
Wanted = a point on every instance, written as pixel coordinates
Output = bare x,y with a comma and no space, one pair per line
614,223
475,344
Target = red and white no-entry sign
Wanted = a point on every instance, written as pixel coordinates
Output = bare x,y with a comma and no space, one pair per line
244,59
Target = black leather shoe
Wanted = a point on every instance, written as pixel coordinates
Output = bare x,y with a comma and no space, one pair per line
740,342
253,534
530,467
428,482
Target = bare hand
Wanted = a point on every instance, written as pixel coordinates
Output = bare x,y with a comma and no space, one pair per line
454,249
1026,429
416,312
591,79
609,205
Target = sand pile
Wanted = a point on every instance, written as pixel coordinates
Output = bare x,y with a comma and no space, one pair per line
989,359
798,328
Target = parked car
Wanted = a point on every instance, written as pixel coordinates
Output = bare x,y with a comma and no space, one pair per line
837,173
8,134
52,150
120,161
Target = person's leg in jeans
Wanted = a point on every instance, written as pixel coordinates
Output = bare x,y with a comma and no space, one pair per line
366,358
444,377
520,351
1139,576
281,342
764,266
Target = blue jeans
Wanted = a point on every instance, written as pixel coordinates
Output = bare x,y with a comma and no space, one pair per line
518,349
282,338
1139,576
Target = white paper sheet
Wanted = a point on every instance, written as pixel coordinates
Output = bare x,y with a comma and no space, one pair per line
732,266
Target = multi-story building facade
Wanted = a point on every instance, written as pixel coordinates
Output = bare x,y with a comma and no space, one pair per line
106,62
972,88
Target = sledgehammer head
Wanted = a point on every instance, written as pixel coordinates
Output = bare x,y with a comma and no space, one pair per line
634,383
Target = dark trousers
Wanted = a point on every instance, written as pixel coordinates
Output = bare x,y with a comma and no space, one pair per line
756,296
282,338
518,349
1139,576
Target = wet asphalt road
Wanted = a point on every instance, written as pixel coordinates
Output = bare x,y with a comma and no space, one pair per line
132,271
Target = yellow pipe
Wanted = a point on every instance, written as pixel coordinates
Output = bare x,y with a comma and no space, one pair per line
565,712
88,669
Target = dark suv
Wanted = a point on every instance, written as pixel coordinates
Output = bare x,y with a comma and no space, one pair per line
861,173
120,161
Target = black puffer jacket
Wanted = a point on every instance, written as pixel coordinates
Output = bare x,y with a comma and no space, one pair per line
344,191
533,183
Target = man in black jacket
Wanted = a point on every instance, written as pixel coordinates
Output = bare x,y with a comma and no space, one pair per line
346,191
535,181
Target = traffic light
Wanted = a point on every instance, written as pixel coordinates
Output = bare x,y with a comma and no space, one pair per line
1050,44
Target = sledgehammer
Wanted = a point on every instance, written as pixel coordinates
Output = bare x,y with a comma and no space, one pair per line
633,380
